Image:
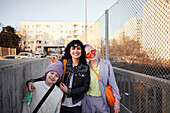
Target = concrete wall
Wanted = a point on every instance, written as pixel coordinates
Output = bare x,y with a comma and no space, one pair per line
13,75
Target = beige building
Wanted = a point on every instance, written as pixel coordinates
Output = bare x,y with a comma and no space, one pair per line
133,28
39,35
155,29
118,36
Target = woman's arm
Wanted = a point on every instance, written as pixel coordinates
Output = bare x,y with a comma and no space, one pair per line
112,82
30,85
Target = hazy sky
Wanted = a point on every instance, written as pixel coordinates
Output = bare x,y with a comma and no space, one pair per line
14,11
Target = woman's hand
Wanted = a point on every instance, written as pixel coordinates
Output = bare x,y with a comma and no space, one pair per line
63,87
117,105
31,87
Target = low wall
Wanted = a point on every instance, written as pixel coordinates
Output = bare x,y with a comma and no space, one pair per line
13,75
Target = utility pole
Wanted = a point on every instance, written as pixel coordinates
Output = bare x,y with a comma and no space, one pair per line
85,9
106,35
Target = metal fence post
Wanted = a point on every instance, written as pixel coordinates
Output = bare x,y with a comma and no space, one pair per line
106,35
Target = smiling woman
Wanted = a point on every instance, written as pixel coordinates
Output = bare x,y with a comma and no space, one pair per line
96,96
77,79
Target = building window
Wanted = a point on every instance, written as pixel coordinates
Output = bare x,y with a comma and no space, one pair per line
61,26
25,26
61,31
39,31
30,42
47,31
75,31
30,36
38,42
30,31
39,26
39,47
46,36
47,26
68,36
75,26
39,37
46,42
75,36
30,26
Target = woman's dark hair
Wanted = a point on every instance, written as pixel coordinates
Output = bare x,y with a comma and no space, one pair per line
72,43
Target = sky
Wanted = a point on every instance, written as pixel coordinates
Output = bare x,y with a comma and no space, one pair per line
14,11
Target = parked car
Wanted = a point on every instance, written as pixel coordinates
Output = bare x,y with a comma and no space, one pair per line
43,55
38,55
52,58
11,57
26,55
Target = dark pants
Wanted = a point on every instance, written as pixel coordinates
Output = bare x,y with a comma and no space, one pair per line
65,109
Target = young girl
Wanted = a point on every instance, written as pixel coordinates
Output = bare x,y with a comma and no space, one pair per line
76,80
95,99
53,74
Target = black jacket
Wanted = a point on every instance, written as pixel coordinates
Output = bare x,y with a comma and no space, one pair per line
80,84
81,80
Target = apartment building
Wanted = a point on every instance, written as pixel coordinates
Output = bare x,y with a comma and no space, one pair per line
155,29
40,36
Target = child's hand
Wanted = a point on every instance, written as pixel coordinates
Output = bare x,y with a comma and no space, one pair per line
63,87
31,87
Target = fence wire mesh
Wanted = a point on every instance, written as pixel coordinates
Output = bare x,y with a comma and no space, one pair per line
139,36
139,41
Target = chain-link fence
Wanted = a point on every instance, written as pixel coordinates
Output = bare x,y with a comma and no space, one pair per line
139,36
139,43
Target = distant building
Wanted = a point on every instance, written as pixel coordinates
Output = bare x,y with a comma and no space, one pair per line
133,28
155,29
40,36
118,36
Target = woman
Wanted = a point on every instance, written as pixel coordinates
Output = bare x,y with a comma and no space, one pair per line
95,99
76,80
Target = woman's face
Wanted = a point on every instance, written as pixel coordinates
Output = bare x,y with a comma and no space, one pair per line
75,51
91,53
